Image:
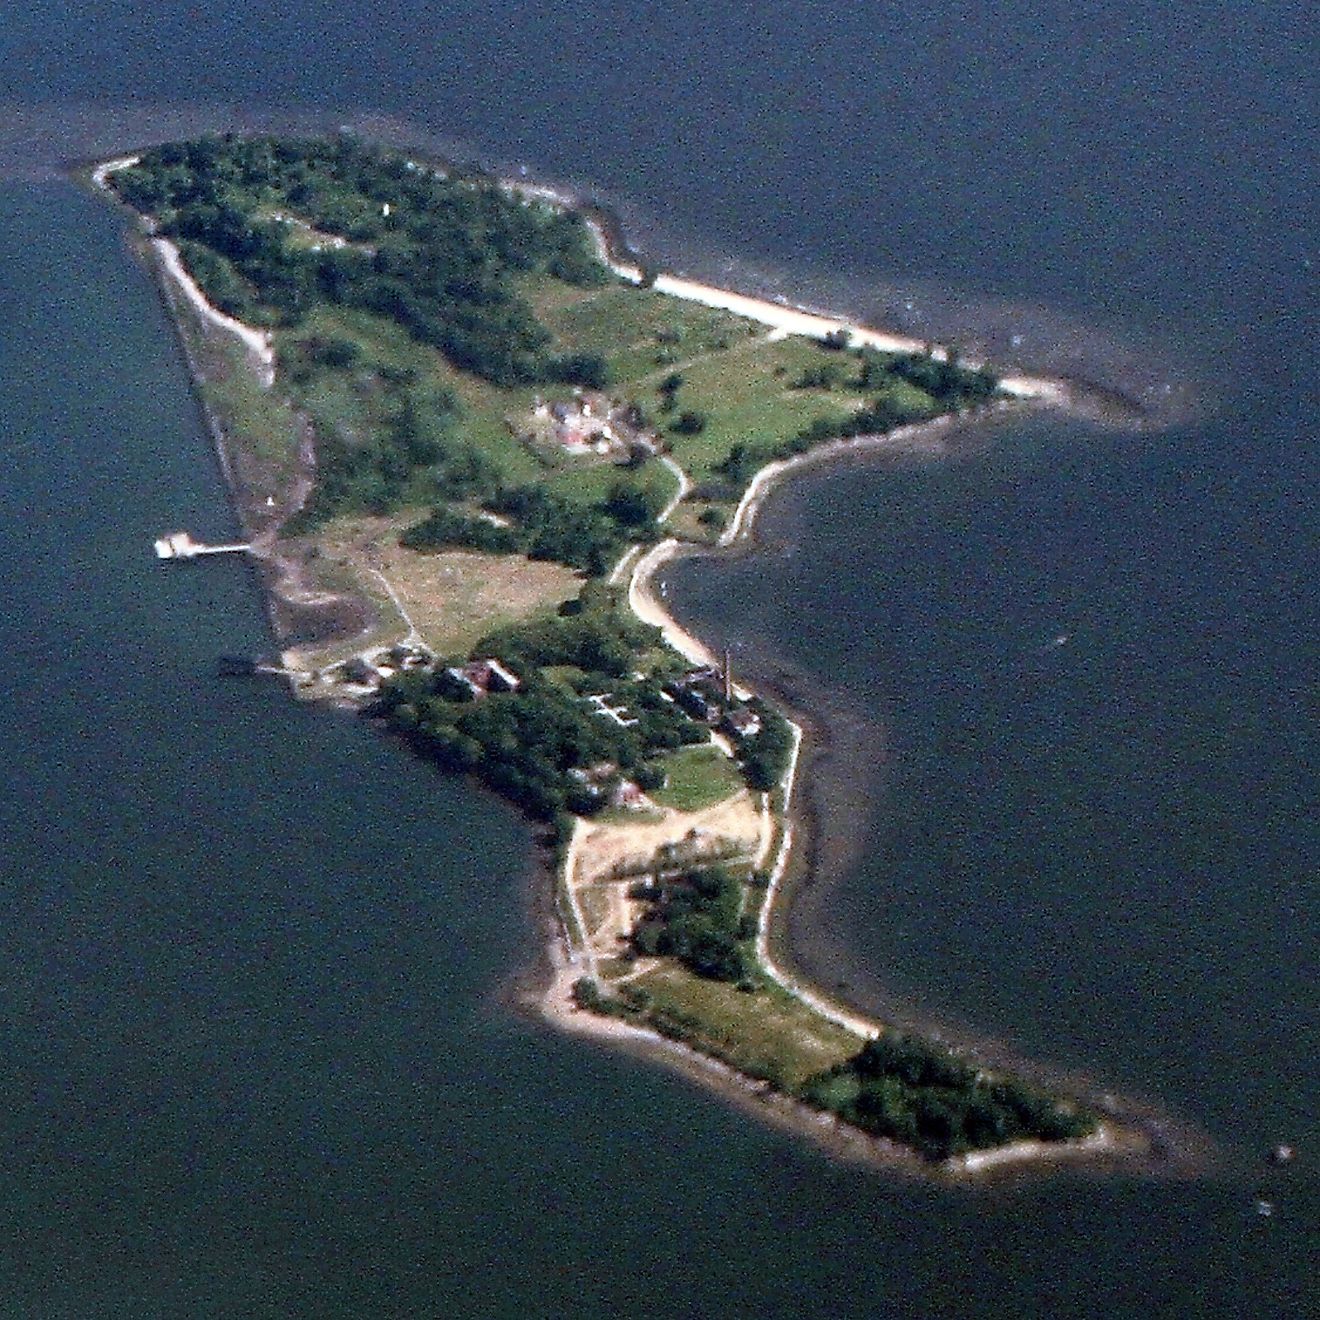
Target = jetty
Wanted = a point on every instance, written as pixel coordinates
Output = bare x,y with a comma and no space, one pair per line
179,545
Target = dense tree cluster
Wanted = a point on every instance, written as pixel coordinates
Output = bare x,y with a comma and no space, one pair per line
766,755
444,528
589,537
918,1093
525,744
601,640
696,918
435,254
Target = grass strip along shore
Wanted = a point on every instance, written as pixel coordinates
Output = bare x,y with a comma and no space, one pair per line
452,412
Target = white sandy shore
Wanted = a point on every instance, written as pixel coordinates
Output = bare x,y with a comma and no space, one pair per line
103,171
257,342
780,318
786,320
645,604
648,607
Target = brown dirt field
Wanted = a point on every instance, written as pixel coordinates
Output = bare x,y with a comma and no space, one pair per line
453,597
735,822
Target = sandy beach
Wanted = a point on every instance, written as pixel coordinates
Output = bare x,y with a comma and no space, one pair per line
780,318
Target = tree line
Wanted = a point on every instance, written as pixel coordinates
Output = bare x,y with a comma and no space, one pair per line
920,1094
435,254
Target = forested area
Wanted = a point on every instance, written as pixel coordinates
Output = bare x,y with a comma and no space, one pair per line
270,227
698,919
765,755
920,1094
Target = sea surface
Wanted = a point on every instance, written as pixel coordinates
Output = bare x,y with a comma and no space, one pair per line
258,1055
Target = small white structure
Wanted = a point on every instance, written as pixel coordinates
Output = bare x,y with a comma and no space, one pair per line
179,545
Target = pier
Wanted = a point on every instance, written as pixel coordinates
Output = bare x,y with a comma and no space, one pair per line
179,545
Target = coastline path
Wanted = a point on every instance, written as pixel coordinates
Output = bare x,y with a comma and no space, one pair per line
257,342
414,637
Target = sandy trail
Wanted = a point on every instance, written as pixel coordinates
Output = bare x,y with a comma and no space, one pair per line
257,342
684,486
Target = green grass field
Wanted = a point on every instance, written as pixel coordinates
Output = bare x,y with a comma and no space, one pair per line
747,396
699,777
741,381
768,1034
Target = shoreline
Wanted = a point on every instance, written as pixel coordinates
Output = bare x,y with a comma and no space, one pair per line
566,964
1114,1138
783,318
1120,1145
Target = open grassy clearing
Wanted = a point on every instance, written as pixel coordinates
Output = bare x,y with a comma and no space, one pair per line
592,482
258,421
767,1034
454,596
698,777
747,397
636,330
743,383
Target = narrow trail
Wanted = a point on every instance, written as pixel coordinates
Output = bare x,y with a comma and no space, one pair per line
414,637
684,487
577,952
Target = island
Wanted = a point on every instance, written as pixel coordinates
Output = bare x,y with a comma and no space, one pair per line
464,426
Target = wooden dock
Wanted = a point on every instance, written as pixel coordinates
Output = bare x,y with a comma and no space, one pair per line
181,546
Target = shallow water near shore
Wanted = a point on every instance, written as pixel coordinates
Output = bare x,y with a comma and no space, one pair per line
258,1058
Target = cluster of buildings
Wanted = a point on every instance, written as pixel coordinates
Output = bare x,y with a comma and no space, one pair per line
589,424
482,677
708,695
604,783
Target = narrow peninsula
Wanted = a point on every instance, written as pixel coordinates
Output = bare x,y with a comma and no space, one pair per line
463,426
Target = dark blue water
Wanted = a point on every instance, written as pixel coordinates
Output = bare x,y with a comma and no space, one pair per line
256,1058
